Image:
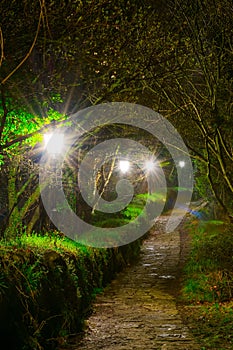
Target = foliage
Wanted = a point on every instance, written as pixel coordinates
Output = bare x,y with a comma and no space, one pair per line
202,187
206,297
134,209
198,88
20,148
21,129
69,51
47,284
211,324
209,269
174,58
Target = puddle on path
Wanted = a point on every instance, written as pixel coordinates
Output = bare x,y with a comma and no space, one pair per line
138,310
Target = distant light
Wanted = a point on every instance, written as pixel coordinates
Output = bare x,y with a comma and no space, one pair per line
54,142
124,166
181,163
150,165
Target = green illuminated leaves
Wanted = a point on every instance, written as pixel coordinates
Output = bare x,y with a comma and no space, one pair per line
23,129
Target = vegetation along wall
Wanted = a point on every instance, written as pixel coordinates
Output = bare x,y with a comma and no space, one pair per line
47,284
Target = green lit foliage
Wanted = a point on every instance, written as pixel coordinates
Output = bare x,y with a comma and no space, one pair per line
20,139
47,283
130,213
23,129
173,57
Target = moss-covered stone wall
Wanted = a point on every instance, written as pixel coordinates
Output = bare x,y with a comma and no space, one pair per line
46,290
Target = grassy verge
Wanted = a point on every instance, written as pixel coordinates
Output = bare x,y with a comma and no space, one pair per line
207,294
47,284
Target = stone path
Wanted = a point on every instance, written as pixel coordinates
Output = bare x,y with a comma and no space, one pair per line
138,309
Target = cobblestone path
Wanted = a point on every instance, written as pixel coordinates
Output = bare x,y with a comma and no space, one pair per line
138,309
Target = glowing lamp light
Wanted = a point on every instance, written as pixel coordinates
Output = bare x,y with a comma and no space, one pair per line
54,142
150,165
181,164
124,166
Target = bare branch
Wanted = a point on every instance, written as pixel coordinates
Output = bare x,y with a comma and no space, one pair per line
213,187
5,112
230,156
1,47
106,180
222,165
31,48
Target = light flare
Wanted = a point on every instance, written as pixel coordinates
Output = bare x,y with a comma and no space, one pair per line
54,142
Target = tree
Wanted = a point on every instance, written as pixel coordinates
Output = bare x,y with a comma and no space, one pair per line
34,67
182,70
175,60
201,91
21,147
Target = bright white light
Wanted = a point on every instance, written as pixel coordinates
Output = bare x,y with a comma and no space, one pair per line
150,165
124,166
181,163
54,142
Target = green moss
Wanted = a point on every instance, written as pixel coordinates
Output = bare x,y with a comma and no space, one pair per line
47,284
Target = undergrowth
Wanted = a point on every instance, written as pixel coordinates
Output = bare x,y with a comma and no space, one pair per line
47,283
208,284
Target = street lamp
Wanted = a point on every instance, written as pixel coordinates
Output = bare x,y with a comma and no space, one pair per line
150,165
124,166
181,164
54,143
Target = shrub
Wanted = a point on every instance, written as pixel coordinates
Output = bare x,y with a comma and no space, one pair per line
209,270
47,284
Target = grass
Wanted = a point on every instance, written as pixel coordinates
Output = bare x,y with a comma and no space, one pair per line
207,294
47,283
211,324
52,240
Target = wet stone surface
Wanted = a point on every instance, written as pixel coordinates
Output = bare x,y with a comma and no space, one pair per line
138,309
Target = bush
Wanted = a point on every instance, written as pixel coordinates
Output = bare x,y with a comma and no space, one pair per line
47,284
208,284
209,271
